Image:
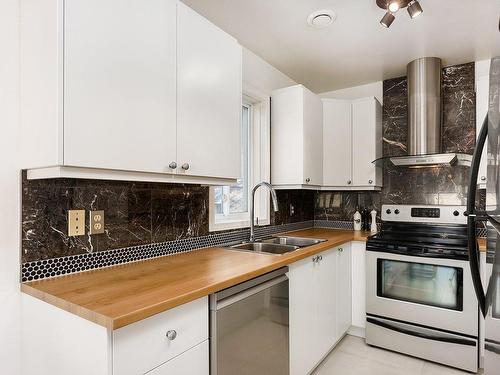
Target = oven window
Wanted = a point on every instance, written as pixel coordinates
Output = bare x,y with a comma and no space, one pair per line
427,284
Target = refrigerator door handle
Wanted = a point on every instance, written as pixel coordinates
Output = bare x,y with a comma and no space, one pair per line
471,218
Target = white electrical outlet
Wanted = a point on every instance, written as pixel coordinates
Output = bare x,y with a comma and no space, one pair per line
76,223
97,222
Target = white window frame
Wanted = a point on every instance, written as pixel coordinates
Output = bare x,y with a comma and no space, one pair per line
259,169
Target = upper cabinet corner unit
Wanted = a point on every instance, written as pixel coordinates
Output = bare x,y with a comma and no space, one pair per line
352,140
128,90
296,138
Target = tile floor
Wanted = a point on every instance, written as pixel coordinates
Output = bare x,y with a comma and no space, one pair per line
353,357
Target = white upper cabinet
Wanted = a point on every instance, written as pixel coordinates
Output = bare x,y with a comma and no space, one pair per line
119,84
337,142
296,138
209,98
352,140
128,89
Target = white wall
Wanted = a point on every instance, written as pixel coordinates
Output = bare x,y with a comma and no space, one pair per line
9,190
262,75
370,89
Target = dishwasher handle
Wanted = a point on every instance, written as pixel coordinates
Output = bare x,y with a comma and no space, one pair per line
249,292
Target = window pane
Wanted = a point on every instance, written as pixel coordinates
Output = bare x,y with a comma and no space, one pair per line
427,284
234,199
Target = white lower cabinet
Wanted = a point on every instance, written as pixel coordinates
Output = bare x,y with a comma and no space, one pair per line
192,362
142,346
320,306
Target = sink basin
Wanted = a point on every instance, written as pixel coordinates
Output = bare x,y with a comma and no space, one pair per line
295,241
265,247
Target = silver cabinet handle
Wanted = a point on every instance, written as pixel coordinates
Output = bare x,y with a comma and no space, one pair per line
172,334
349,182
172,165
185,166
341,249
370,182
315,259
308,180
320,257
483,178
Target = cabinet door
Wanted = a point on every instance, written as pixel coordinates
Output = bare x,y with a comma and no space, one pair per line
326,300
193,361
303,317
367,142
343,290
287,135
313,139
119,84
209,98
358,282
482,98
337,143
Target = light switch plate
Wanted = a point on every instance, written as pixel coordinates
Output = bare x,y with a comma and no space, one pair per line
76,223
97,222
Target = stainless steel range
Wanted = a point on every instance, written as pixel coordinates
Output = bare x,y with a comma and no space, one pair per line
419,292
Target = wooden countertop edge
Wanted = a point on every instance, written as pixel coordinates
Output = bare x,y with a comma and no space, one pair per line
68,306
169,303
285,260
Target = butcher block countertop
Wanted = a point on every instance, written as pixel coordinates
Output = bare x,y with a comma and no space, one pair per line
121,295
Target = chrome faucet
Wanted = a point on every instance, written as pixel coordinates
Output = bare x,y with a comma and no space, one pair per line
252,204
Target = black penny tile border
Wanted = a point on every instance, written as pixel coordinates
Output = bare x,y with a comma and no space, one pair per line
42,269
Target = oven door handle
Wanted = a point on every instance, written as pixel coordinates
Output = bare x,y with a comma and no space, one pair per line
453,340
471,218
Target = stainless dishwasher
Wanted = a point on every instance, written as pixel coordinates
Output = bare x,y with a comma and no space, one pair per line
249,327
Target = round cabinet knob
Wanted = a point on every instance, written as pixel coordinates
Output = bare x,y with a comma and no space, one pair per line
320,257
315,259
308,180
370,182
456,213
172,165
483,178
388,211
340,249
185,166
349,182
172,334
396,211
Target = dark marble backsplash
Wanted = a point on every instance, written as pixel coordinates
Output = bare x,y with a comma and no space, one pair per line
136,213
341,205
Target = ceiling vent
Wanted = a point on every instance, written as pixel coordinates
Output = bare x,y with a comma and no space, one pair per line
321,18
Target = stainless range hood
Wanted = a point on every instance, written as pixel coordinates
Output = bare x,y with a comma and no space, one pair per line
424,118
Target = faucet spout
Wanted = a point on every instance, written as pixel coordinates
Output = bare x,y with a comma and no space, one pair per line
274,199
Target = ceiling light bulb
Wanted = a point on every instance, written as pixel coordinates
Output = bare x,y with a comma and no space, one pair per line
393,7
387,19
414,9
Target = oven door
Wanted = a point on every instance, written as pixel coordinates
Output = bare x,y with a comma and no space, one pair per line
431,292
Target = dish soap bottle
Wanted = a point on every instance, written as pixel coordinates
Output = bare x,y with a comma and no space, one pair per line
373,227
357,220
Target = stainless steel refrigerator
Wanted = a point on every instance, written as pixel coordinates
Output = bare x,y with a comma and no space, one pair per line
488,289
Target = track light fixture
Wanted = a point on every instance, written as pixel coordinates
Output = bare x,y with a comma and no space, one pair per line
392,6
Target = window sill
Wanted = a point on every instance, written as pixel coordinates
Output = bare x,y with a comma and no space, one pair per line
235,224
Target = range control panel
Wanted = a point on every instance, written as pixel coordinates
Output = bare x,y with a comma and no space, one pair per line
424,214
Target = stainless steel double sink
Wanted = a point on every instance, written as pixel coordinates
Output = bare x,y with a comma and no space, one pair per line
278,245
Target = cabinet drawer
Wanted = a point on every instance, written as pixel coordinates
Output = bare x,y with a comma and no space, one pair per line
192,362
142,346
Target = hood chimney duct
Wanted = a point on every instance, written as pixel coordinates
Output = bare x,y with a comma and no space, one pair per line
424,106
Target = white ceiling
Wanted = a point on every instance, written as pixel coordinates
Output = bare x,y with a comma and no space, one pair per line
356,49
